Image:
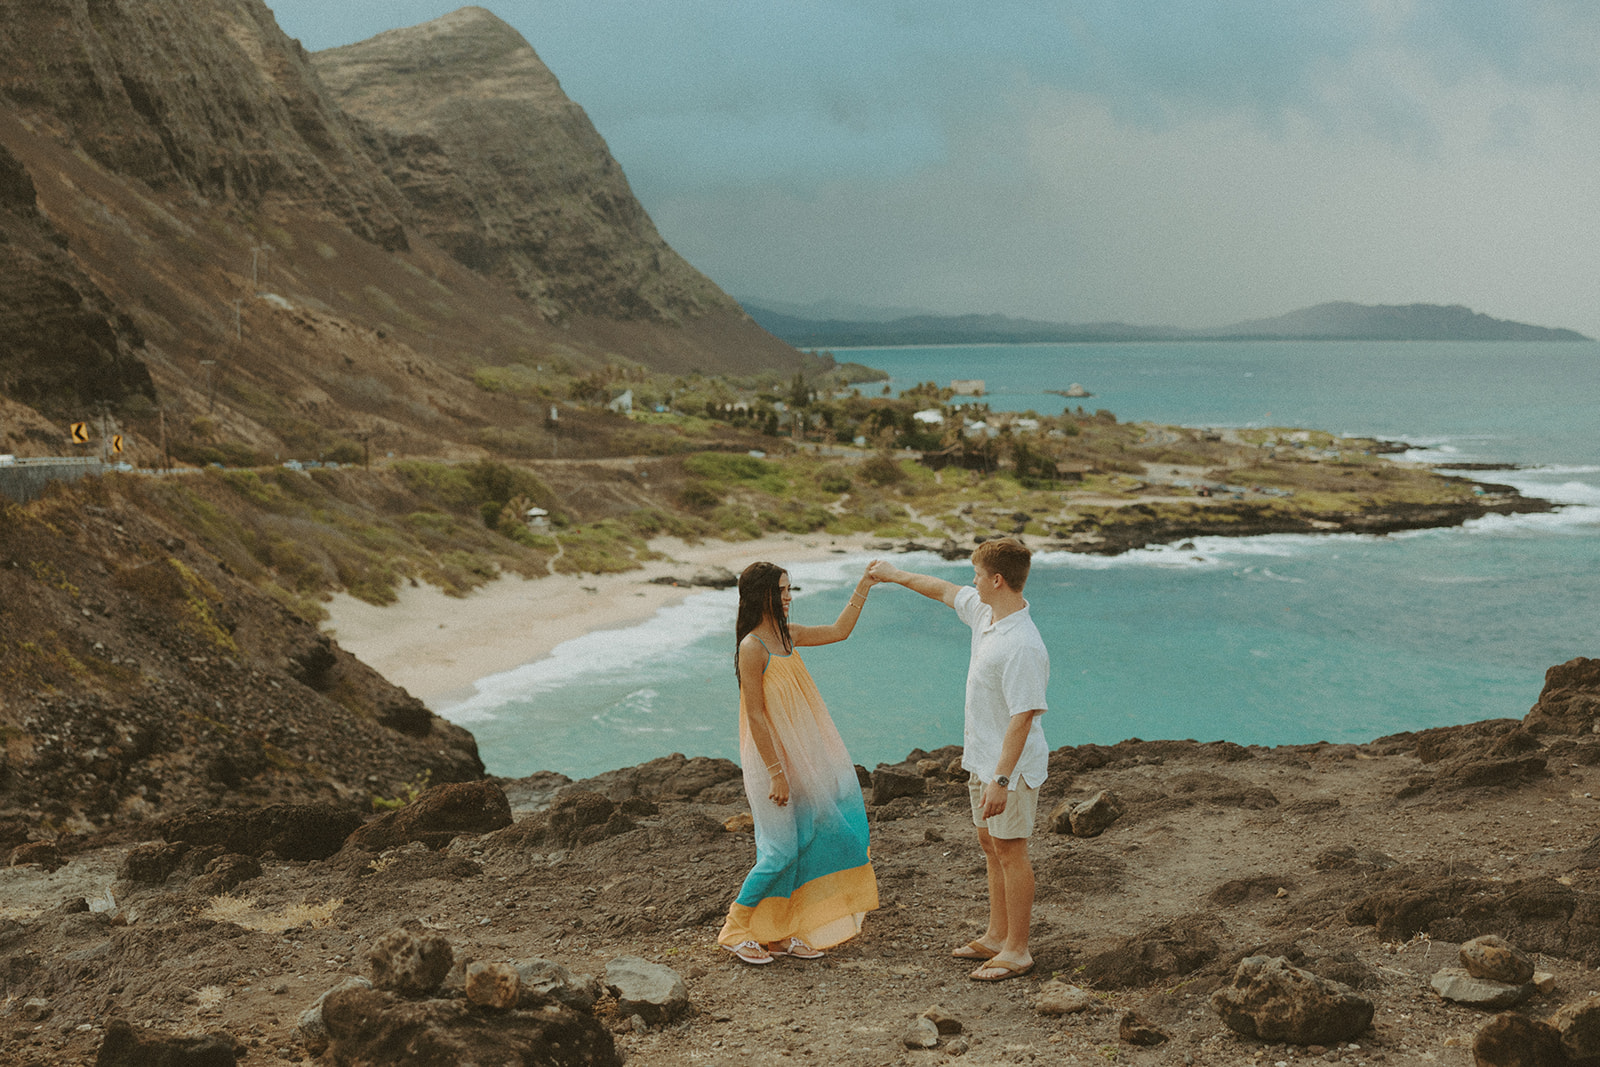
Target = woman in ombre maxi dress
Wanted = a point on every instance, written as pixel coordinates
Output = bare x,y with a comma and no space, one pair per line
812,881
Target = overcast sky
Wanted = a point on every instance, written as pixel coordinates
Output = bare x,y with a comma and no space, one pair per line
1177,162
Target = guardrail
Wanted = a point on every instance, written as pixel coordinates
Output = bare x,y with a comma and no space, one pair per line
25,478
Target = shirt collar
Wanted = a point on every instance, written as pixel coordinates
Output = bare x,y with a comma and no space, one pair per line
1020,613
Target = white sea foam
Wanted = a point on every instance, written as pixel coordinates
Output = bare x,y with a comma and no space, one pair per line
656,641
1202,551
1566,492
1566,520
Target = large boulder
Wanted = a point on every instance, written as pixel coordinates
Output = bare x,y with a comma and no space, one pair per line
289,831
1579,1026
889,784
377,1029
311,1030
1086,818
1272,1000
125,1046
1455,984
650,990
1570,700
1539,914
1512,1040
673,777
1496,959
578,818
439,815
410,964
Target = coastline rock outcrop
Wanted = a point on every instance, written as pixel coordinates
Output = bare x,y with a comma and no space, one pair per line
1569,703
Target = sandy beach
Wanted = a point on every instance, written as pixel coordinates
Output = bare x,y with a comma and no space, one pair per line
436,646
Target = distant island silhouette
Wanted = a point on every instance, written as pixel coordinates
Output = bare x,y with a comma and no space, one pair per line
1338,321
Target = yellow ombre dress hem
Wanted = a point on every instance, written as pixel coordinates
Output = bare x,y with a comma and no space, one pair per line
822,913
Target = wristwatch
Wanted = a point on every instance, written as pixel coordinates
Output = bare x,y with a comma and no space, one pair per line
1003,780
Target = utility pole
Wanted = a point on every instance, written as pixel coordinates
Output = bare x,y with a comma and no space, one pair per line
258,253
211,395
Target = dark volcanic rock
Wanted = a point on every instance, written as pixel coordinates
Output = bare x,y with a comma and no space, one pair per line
44,853
126,1047
438,815
1570,700
292,831
408,963
225,873
1271,1000
375,1028
891,784
671,777
1164,952
1511,1040
574,819
1538,915
151,862
66,347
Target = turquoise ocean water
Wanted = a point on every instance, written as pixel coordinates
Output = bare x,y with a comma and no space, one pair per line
1267,640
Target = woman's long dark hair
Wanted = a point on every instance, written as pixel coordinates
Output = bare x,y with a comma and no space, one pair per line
759,596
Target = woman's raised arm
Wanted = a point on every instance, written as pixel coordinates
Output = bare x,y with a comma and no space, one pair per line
841,627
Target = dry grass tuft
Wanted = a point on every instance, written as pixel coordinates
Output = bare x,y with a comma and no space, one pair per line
211,996
242,911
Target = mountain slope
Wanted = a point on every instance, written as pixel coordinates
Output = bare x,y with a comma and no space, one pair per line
196,233
546,209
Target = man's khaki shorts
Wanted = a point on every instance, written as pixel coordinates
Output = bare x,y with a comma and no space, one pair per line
1022,807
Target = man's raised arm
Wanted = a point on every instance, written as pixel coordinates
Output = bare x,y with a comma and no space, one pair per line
926,584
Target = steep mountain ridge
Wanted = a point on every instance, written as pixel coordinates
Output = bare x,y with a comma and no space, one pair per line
210,98
183,192
548,211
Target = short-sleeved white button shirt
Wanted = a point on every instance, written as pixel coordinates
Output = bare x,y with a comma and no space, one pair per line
1008,675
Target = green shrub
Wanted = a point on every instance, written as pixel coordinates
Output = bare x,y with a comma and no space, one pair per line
699,496
834,480
881,471
731,468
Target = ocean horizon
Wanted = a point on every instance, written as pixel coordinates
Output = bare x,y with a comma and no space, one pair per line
1281,639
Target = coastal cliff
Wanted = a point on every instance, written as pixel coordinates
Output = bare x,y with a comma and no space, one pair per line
1366,867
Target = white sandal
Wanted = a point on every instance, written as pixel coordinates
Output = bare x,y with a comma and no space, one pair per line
798,949
750,952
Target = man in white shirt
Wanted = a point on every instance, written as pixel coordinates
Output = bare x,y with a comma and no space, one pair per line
1004,749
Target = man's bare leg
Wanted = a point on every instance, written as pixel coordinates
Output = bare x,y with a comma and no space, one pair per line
995,935
1011,889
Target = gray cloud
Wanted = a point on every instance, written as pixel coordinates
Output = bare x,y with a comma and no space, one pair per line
1146,160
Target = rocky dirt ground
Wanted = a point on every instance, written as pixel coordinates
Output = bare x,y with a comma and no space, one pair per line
1368,863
